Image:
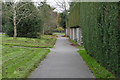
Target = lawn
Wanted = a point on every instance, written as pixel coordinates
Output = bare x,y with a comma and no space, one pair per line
0,56
59,33
21,56
46,41
19,62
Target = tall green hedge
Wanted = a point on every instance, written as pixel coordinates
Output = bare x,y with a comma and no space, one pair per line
74,15
101,31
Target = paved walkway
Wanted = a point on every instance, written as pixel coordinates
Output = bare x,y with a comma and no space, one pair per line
62,62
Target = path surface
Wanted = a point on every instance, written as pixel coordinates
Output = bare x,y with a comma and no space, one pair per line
62,62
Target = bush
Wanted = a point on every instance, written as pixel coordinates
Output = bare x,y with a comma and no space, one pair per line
48,32
29,27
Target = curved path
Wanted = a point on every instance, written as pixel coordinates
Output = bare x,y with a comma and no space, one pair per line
62,62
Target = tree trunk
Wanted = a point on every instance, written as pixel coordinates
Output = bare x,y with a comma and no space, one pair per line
43,30
65,17
14,21
15,31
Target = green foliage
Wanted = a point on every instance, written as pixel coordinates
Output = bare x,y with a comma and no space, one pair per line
44,11
63,20
48,18
29,26
32,25
74,16
7,23
100,29
60,29
71,5
19,62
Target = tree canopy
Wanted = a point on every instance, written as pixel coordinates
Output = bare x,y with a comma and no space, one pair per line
28,20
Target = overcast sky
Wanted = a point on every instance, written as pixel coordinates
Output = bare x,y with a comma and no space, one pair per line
58,9
52,3
55,3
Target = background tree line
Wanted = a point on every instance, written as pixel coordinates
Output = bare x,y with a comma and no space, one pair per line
25,19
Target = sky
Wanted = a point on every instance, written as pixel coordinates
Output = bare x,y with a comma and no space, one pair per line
52,3
55,3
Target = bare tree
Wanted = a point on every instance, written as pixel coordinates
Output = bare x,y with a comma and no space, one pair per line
16,19
45,11
62,6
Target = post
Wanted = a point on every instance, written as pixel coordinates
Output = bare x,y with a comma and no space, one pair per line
80,36
70,33
73,33
77,32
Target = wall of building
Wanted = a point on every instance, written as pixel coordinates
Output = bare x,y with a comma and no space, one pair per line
76,35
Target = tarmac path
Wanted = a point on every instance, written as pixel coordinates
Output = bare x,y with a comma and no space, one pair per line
62,62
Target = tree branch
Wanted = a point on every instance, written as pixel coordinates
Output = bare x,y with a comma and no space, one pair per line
26,10
61,5
10,18
21,6
23,18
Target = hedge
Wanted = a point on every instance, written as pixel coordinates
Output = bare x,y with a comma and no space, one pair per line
74,15
100,23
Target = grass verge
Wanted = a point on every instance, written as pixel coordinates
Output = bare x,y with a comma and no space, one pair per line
19,62
0,56
59,33
46,41
98,70
75,44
